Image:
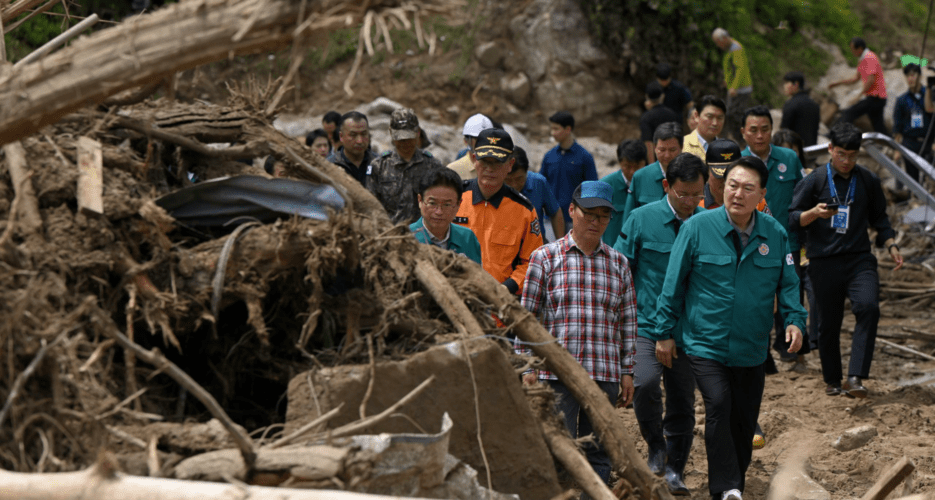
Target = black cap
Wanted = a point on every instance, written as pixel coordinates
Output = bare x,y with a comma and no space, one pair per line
720,154
653,90
495,143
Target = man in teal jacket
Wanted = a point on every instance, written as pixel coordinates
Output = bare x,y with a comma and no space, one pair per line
631,154
726,267
646,185
439,197
646,241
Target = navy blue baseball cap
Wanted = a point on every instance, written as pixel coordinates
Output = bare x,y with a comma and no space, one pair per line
593,194
493,142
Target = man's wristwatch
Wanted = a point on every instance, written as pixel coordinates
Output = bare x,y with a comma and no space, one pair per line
890,248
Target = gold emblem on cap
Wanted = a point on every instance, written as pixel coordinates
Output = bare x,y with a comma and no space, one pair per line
493,140
727,156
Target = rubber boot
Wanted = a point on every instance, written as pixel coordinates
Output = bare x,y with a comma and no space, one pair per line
652,434
677,449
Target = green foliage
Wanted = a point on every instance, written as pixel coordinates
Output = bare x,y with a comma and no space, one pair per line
679,32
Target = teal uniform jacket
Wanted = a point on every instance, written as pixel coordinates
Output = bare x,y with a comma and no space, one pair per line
728,305
646,241
785,171
462,239
645,188
621,190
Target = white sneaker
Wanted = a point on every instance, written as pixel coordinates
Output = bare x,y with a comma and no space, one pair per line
731,495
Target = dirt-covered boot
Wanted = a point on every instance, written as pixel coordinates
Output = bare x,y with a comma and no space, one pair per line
652,434
677,449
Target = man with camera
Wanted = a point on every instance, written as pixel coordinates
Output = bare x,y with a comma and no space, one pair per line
913,114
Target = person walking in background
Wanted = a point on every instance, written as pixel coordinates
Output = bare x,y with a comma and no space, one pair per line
870,72
646,186
353,154
708,116
646,240
912,116
800,113
318,141
463,165
568,164
439,195
677,96
835,206
737,79
331,124
534,187
582,291
656,114
631,156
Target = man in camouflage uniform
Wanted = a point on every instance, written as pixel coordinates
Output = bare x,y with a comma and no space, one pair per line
394,175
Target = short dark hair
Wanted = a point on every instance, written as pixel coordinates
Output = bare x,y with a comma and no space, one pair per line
786,136
668,130
795,77
858,43
663,71
912,68
654,90
710,100
353,115
564,119
686,167
845,135
331,117
632,150
753,163
522,159
315,134
269,164
442,176
760,110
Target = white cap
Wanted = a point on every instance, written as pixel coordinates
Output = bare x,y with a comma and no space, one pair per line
476,123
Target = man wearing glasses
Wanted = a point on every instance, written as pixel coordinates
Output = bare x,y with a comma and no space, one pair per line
726,267
503,220
835,206
646,241
439,195
582,291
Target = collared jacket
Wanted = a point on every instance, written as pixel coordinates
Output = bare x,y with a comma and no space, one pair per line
785,172
728,302
394,181
461,240
646,241
692,144
358,172
645,188
565,169
621,192
507,228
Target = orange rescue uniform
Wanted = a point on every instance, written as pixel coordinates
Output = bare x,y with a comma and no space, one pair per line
508,230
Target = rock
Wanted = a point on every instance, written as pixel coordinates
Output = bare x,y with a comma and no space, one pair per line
855,438
516,88
796,485
490,54
519,459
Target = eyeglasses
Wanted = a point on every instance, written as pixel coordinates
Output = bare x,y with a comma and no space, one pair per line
591,216
697,197
433,205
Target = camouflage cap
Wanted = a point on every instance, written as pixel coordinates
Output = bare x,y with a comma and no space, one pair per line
404,124
720,154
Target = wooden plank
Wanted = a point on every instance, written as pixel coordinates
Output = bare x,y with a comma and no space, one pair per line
90,176
890,480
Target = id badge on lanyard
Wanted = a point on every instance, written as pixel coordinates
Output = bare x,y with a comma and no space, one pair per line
840,220
916,119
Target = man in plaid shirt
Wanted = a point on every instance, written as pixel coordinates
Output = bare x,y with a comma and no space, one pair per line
582,291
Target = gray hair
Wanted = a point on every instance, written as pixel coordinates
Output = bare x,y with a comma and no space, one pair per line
720,34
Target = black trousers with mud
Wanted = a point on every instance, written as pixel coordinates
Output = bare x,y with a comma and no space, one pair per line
852,276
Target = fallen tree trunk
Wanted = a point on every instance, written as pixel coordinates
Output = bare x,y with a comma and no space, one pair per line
101,482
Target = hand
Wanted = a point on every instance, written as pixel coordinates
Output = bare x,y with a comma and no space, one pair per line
732,92
793,338
665,352
897,257
626,391
530,378
822,211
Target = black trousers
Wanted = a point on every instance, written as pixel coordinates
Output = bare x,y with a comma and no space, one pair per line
914,145
779,343
732,398
870,106
679,384
851,276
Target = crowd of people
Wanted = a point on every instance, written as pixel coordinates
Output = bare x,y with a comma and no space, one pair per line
671,273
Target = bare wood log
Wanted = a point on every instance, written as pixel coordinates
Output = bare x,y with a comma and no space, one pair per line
29,217
565,450
57,41
101,482
627,461
91,176
13,11
890,480
46,6
448,299
155,358
907,349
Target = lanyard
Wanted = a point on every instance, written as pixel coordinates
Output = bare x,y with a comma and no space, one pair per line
850,190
